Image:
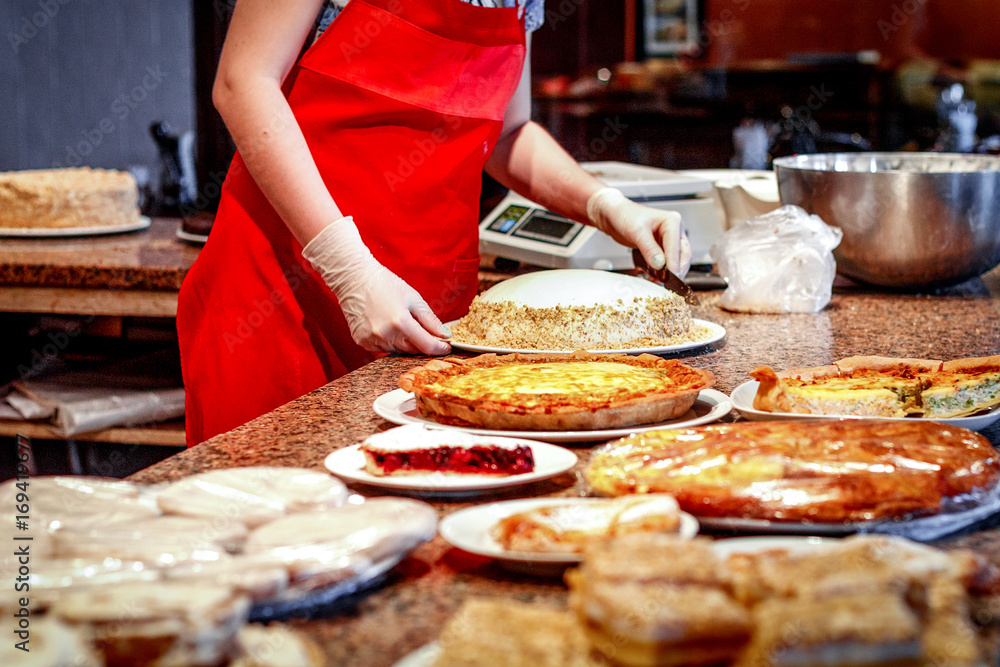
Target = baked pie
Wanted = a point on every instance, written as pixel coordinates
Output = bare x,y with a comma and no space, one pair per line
821,471
551,392
415,449
882,387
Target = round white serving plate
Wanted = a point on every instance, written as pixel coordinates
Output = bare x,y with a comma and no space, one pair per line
59,232
349,464
743,395
400,407
469,530
717,334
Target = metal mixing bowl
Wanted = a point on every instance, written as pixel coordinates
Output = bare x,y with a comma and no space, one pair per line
910,220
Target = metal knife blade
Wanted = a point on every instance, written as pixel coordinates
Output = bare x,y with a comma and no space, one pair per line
665,277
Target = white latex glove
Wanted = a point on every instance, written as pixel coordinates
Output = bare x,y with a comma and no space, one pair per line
384,313
659,235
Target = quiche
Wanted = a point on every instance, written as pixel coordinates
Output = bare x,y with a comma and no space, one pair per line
882,387
819,471
554,392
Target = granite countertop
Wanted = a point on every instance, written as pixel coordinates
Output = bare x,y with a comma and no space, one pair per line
410,607
151,259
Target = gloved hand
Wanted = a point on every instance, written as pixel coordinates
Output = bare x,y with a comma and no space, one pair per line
384,313
659,235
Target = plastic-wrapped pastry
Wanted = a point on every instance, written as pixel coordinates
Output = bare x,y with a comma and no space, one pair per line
258,578
159,624
52,644
822,471
252,496
78,501
334,544
162,540
52,578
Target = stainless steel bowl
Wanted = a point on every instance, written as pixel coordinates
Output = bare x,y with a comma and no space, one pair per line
910,220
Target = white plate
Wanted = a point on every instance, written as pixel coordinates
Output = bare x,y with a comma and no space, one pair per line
400,407
349,464
717,334
753,545
743,395
39,232
469,530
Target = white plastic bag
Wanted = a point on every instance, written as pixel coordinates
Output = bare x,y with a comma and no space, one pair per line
779,262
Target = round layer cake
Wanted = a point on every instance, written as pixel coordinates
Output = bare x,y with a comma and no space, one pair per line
67,198
576,309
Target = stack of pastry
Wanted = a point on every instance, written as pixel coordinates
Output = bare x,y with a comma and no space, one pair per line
869,600
652,599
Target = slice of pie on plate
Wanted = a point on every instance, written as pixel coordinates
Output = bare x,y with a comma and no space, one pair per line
568,527
874,386
555,392
416,449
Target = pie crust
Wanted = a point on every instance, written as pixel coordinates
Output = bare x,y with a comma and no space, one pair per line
554,392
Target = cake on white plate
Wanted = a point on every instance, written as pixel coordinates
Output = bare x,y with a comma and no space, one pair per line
416,449
67,198
574,309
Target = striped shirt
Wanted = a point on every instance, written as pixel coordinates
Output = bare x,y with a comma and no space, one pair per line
534,12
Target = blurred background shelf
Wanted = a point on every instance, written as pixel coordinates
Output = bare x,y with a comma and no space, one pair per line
169,434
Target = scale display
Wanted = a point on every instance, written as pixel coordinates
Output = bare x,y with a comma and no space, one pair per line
506,220
548,228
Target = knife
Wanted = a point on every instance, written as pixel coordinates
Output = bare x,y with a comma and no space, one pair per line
665,277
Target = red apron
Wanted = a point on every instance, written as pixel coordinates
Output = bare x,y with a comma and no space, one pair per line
400,102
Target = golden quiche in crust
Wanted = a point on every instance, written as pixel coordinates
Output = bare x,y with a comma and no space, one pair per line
555,392
874,386
820,471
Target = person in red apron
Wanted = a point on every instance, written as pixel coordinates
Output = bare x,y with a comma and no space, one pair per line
348,222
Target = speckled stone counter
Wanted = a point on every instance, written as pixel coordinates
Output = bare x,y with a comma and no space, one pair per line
151,259
409,608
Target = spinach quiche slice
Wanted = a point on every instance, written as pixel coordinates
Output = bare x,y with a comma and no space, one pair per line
962,387
873,386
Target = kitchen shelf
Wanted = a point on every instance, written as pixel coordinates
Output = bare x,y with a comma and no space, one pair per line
168,434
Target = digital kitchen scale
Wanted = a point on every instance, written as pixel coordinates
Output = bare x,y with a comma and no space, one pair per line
521,230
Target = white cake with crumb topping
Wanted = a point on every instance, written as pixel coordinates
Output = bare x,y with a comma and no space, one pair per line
576,309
